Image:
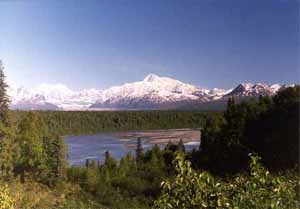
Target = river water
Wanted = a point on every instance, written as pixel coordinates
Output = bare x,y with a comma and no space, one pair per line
81,148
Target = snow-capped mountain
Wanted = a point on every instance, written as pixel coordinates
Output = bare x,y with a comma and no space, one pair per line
246,90
275,87
52,97
153,92
251,90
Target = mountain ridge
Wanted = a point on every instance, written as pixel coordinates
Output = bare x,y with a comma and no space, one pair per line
153,92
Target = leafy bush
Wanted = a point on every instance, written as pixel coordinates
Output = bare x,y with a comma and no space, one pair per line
260,189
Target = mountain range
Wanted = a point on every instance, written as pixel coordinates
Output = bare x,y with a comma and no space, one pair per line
154,92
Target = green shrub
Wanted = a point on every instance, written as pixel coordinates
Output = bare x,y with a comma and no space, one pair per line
259,189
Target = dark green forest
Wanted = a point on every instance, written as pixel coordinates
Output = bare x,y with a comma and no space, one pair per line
249,158
92,122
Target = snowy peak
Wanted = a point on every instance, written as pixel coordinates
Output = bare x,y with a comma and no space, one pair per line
253,90
244,87
151,92
275,87
151,78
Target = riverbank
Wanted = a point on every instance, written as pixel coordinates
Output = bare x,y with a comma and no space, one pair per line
162,136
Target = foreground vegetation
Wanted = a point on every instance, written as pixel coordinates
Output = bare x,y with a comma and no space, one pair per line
258,189
249,158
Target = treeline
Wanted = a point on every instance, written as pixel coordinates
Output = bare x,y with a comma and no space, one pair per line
76,122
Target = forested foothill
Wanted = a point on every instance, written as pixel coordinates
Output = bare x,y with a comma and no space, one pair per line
249,158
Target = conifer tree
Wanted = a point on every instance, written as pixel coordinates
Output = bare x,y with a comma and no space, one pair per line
56,152
8,152
235,119
7,146
139,151
110,163
126,165
92,177
156,161
32,162
4,99
181,147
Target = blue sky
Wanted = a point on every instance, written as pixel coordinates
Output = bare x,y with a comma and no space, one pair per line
211,43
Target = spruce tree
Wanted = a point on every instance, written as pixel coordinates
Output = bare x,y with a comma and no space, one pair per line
139,151
32,162
8,152
55,158
125,165
110,162
4,99
181,147
7,145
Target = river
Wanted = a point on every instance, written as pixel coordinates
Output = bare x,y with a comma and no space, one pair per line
81,148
